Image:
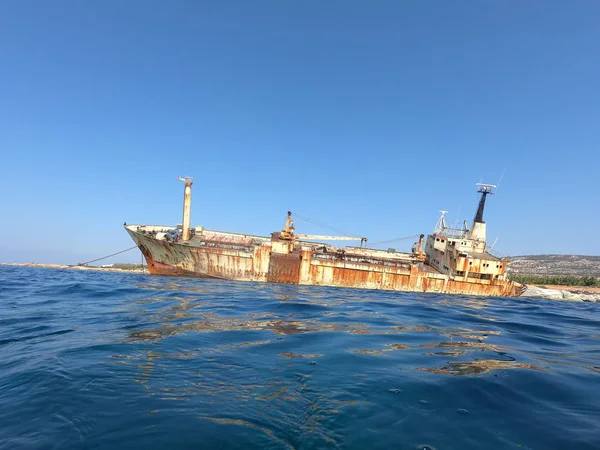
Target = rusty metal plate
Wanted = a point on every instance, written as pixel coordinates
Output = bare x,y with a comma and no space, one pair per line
284,268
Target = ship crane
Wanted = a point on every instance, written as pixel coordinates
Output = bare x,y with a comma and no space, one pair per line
288,233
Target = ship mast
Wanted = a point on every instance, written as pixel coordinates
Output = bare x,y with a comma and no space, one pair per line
440,226
478,230
187,206
485,190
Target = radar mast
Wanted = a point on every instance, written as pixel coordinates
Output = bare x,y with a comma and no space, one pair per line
484,190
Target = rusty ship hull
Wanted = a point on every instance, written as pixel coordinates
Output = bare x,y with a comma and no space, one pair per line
228,256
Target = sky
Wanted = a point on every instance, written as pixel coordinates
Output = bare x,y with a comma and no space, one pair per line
367,116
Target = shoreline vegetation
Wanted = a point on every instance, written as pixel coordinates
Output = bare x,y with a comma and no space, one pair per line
569,288
555,280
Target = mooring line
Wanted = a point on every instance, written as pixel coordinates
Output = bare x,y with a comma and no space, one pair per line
99,259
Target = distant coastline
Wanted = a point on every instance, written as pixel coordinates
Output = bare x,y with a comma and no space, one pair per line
136,269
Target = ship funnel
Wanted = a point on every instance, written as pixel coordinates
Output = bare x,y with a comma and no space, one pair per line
187,206
478,230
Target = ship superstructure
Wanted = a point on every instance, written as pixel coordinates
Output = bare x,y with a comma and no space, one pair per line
462,253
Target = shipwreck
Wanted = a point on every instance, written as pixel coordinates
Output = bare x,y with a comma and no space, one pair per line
450,260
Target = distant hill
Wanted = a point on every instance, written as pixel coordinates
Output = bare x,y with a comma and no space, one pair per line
576,265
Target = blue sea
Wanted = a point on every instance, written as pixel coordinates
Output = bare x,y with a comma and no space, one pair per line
101,360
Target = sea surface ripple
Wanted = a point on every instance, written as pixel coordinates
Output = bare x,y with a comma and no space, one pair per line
111,360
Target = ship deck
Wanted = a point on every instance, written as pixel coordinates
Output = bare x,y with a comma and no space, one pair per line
226,240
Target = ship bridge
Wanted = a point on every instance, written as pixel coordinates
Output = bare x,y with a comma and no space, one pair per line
461,252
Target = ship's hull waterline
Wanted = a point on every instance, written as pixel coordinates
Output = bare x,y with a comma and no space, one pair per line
243,259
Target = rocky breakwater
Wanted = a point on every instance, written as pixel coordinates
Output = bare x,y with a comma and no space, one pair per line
566,293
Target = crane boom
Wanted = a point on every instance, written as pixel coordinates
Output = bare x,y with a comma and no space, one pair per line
288,233
328,238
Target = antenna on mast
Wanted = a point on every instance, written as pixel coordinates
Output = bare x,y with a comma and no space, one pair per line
501,178
492,246
457,219
440,226
487,188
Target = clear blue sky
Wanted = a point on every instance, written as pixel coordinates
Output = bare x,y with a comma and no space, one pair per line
370,116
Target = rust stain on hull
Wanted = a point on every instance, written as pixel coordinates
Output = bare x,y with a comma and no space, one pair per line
248,260
284,268
159,268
